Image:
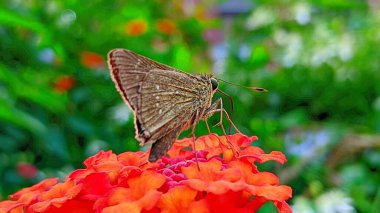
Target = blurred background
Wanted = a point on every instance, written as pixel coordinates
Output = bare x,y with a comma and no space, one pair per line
319,59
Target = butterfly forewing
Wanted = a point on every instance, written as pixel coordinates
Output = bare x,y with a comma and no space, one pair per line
164,99
128,69
167,101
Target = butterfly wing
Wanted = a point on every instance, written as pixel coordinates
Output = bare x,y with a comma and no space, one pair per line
162,145
163,98
128,70
169,100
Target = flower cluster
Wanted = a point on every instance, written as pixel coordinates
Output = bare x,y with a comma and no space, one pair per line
91,60
166,26
220,176
136,27
64,83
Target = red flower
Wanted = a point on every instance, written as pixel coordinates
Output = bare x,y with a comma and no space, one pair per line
56,196
141,193
91,60
27,170
212,180
25,197
136,27
166,26
64,83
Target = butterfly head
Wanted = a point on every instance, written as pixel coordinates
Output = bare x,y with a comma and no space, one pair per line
214,83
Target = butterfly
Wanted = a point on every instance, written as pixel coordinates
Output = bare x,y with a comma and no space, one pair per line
165,101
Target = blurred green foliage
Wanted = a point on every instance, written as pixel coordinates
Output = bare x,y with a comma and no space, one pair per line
319,59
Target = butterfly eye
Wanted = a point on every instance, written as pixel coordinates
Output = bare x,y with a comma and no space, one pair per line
214,83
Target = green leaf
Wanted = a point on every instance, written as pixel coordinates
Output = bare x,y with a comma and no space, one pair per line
56,144
30,88
20,118
12,19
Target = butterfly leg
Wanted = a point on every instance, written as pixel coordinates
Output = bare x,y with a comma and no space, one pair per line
196,120
228,118
207,126
214,109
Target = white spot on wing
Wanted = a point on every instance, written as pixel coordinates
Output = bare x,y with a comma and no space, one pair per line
157,87
157,97
138,63
159,112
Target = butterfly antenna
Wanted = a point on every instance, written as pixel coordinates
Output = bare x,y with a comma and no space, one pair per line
259,89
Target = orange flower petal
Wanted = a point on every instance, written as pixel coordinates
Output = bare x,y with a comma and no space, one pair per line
221,187
209,140
123,198
252,150
262,178
95,185
253,155
177,199
212,178
102,162
11,206
126,173
132,207
283,207
66,189
228,154
253,177
228,202
100,157
200,206
27,194
79,174
56,196
217,145
132,158
146,181
207,170
81,206
119,195
242,140
276,193
177,149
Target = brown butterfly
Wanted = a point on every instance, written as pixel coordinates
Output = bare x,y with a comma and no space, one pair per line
165,100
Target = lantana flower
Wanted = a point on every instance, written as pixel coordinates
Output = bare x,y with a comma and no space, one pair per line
91,60
166,26
219,176
136,27
27,170
64,83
